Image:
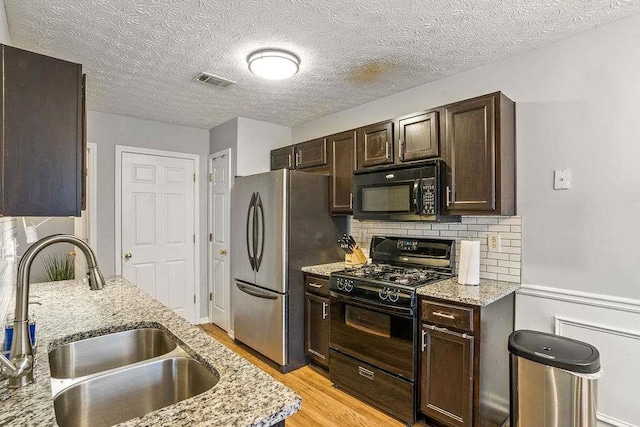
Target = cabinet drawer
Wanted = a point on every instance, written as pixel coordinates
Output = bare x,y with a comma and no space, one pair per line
316,285
447,315
389,393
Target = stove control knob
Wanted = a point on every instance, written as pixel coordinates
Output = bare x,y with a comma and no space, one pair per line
340,283
348,286
383,293
393,295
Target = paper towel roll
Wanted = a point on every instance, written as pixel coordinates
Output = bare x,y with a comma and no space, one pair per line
469,266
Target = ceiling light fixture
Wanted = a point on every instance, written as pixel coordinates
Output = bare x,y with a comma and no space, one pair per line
273,64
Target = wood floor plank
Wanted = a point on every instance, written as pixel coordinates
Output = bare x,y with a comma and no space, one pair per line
322,404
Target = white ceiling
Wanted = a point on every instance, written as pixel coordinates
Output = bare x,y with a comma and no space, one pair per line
141,55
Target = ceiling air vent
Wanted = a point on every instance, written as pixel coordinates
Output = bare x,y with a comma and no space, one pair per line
213,80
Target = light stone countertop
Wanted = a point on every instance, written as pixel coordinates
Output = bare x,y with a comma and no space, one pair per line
484,294
324,269
244,395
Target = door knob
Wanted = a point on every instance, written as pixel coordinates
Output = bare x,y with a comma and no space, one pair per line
128,255
223,252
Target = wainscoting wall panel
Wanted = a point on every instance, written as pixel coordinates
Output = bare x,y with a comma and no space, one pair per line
611,324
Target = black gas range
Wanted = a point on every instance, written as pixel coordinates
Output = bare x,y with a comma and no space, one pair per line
373,321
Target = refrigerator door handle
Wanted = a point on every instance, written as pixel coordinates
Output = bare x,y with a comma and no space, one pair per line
249,291
250,254
262,232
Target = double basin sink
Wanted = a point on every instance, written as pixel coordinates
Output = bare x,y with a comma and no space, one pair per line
109,379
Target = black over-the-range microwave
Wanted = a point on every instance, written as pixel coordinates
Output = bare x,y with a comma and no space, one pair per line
400,193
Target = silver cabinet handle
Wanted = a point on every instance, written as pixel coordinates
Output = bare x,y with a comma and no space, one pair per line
314,285
401,149
128,255
445,315
386,149
350,200
448,195
366,373
447,331
424,341
290,162
298,158
324,310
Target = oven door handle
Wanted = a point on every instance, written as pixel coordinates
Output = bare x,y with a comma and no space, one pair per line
394,311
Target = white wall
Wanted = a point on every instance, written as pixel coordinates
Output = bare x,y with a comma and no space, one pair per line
5,37
577,108
109,130
256,139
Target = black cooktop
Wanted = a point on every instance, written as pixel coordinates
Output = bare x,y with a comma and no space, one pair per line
397,275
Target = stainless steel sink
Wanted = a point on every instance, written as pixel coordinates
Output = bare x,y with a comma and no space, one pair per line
131,392
99,354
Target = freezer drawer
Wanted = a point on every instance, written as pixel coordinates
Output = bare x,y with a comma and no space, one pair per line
259,320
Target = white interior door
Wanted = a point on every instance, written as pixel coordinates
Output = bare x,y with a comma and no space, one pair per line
219,239
157,223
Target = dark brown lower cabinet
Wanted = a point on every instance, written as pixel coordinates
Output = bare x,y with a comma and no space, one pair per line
464,362
317,328
447,375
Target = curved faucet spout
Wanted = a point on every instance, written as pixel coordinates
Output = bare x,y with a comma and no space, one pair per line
20,365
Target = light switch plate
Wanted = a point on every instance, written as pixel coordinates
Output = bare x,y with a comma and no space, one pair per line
562,179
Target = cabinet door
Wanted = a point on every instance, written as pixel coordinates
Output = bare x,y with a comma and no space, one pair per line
41,137
446,377
418,137
317,328
282,158
470,145
311,154
343,162
375,145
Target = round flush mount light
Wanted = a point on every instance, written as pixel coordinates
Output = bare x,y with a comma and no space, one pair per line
273,64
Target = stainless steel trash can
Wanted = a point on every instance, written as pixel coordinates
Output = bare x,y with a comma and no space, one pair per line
553,380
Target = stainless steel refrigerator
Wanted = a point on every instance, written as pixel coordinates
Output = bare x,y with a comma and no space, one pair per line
281,223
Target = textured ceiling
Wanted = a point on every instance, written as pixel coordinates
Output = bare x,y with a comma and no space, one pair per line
141,55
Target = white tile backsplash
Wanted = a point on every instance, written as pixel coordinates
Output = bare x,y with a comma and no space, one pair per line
504,265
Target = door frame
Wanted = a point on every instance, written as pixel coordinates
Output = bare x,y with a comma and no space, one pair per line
227,237
121,149
92,190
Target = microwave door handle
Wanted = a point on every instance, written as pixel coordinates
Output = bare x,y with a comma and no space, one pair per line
416,197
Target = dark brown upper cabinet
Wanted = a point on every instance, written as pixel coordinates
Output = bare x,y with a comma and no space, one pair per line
418,136
479,152
343,163
311,154
282,158
375,145
42,138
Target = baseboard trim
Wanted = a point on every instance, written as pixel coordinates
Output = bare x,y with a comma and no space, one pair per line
231,334
612,421
204,320
578,297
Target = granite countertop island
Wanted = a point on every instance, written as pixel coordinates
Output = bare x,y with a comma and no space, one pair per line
243,396
482,295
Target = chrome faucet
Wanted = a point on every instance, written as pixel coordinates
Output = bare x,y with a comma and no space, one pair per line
19,366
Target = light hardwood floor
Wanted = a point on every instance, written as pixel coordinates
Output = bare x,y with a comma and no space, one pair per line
322,404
